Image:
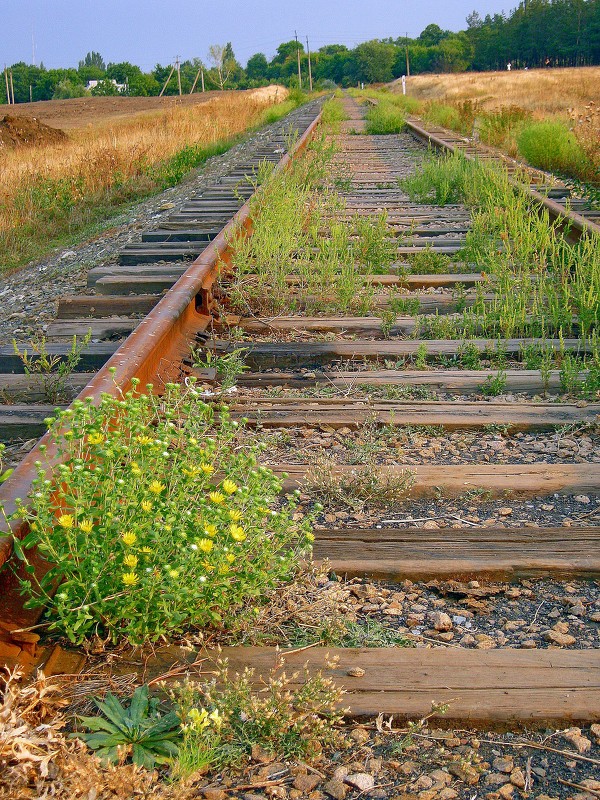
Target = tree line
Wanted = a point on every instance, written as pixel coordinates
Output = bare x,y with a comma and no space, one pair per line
536,33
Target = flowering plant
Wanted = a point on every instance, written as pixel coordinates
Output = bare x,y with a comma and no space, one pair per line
158,519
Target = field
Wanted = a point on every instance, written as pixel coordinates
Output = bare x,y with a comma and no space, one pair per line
548,118
51,194
543,92
82,112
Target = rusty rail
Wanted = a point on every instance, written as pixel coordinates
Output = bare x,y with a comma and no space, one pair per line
576,222
152,352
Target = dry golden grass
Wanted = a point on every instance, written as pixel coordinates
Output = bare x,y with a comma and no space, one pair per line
543,92
46,190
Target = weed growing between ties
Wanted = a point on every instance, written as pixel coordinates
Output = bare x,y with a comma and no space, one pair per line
53,370
227,723
297,259
543,286
156,521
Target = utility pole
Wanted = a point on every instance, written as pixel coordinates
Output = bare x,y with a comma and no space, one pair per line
12,88
407,58
298,52
178,74
309,66
202,76
162,91
7,89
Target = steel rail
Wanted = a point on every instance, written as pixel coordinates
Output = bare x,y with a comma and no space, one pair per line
577,222
151,353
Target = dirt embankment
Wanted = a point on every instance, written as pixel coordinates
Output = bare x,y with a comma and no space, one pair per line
21,131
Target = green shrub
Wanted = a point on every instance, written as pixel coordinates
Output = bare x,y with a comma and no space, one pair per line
445,116
158,518
227,722
551,145
385,118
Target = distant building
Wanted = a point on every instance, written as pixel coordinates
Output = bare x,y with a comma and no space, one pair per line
121,87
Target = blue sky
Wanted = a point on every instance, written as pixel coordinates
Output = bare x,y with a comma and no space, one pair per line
149,31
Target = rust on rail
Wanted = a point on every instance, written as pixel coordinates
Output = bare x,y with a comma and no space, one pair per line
152,353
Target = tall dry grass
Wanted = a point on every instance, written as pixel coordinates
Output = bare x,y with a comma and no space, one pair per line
543,92
48,193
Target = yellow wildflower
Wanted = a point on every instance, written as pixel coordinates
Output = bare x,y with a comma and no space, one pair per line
207,566
310,537
216,497
230,557
229,487
210,530
95,438
223,569
146,550
206,545
237,533
129,578
192,472
207,469
174,573
235,514
130,560
86,525
135,469
146,506
156,487
129,538
66,521
216,718
143,440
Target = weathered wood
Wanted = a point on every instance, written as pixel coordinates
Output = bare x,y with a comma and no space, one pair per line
135,285
92,357
105,328
282,354
460,553
281,412
453,381
140,271
454,480
503,687
24,421
76,306
31,387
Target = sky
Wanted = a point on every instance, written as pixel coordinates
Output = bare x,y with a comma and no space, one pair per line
147,32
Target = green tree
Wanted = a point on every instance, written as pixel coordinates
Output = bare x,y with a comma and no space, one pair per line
257,68
105,88
375,61
93,59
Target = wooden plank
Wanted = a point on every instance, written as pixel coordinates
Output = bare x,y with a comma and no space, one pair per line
105,328
452,480
502,687
139,271
31,387
453,381
93,356
281,412
284,354
135,285
498,554
24,421
76,306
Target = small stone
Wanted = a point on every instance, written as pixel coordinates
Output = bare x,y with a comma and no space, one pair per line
529,644
430,525
595,617
355,672
559,639
517,778
361,781
306,783
166,206
360,735
582,498
506,791
466,774
261,755
581,743
503,764
336,789
440,621
339,773
214,794
440,776
505,512
595,729
591,783
424,782
447,794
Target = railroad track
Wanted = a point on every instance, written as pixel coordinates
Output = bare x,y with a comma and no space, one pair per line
320,388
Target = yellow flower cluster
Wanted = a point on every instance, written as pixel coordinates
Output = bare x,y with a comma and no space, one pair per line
201,719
